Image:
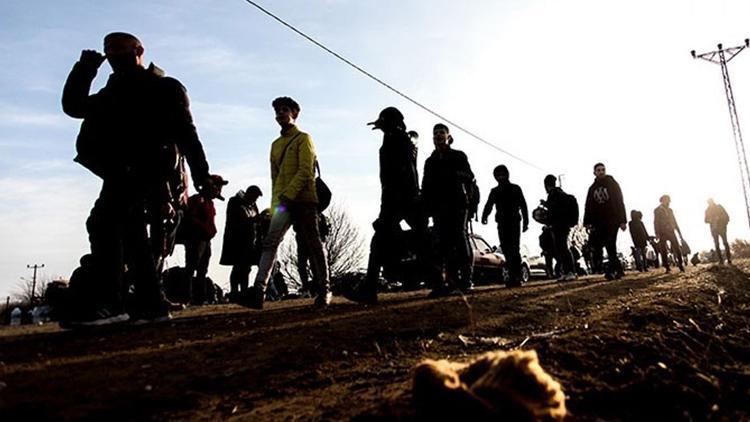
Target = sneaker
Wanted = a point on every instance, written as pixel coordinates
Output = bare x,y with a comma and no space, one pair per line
439,291
619,275
96,318
251,298
609,276
151,317
323,300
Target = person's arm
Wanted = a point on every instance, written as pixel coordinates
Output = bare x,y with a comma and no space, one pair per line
305,173
185,134
524,209
488,206
76,101
588,209
464,173
619,206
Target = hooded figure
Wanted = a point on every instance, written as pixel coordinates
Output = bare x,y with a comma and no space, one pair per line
640,239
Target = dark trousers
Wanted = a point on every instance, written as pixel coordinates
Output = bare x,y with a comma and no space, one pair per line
605,237
384,247
455,252
674,245
549,263
721,232
239,278
118,233
197,257
562,250
509,233
303,260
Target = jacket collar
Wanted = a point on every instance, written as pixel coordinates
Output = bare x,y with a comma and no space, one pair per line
292,131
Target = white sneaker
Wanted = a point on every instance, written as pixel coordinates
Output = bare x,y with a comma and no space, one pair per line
569,277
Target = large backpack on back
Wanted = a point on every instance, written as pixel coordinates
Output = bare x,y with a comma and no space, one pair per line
568,209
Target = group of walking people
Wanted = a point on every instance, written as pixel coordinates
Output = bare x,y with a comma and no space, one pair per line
138,134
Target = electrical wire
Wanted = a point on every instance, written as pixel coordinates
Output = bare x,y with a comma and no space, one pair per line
390,87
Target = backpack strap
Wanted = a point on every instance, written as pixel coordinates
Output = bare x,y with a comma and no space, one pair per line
283,154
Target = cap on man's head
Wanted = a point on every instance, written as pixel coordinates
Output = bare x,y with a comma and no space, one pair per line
122,36
389,117
253,190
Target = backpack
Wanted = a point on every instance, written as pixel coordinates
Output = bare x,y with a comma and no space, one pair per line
568,210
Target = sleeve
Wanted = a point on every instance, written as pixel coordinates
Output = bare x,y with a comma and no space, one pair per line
76,101
587,216
186,136
305,168
707,216
524,207
464,172
488,206
619,204
428,193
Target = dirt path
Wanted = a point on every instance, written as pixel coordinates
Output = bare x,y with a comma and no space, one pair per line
648,346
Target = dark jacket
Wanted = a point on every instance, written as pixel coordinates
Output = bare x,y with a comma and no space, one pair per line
399,179
604,204
132,126
717,217
555,204
510,205
664,221
240,232
446,180
638,232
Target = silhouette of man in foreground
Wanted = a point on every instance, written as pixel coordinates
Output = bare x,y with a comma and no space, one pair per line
130,132
604,214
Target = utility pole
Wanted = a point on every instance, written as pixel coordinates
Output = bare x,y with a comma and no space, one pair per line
33,282
722,57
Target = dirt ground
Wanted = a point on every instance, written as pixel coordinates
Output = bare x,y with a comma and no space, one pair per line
647,347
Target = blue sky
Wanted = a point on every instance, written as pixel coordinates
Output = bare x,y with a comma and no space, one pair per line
563,84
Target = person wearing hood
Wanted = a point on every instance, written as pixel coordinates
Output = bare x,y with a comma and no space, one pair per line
665,226
240,238
640,239
130,133
510,212
399,201
446,188
604,214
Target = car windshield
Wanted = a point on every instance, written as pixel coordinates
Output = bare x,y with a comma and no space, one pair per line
482,245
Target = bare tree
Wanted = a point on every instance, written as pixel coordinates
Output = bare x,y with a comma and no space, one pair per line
345,247
24,293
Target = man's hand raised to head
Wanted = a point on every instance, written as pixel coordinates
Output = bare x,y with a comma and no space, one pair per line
91,58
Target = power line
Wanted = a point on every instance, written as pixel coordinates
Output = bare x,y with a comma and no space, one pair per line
390,87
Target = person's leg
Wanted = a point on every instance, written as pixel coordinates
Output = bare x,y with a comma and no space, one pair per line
280,223
302,260
381,248
511,244
560,235
676,251
235,279
727,249
201,271
105,226
464,251
615,266
150,299
663,253
306,217
548,264
597,243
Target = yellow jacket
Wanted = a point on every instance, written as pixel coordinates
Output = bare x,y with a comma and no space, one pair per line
294,177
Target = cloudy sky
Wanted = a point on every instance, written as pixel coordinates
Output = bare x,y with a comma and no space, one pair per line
561,84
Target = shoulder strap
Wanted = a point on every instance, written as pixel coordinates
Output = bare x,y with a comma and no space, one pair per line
281,160
317,168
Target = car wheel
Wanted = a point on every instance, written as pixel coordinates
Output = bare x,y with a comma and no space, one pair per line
525,274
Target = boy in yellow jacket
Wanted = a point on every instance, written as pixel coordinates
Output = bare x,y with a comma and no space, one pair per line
294,200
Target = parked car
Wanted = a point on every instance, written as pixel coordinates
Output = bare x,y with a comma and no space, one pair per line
490,263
